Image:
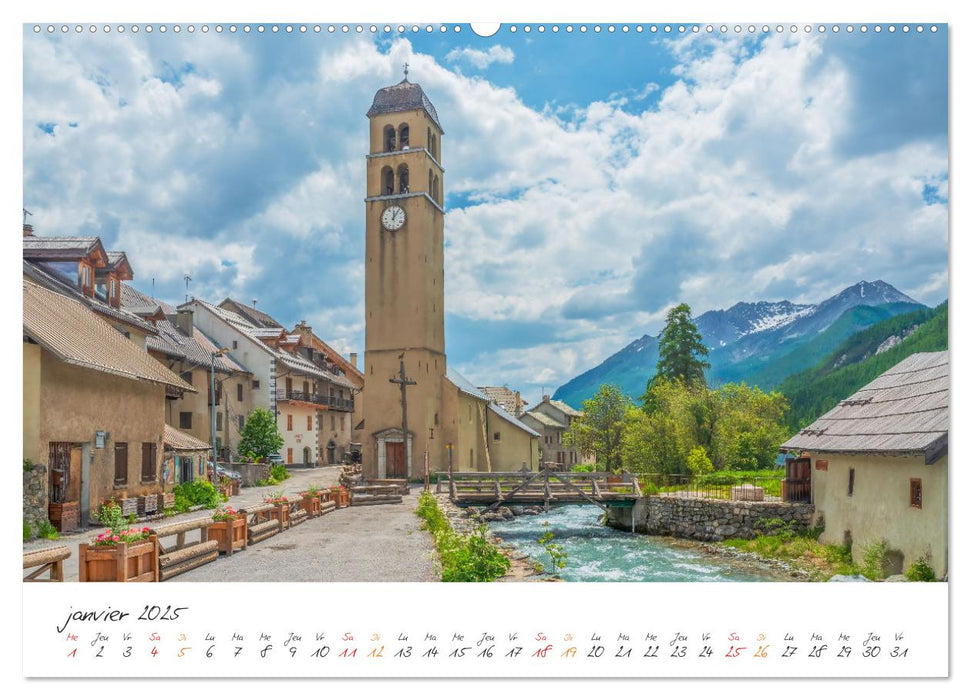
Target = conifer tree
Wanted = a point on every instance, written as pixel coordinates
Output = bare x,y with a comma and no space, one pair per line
681,352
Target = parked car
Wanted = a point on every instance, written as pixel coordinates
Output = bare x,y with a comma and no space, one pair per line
222,471
274,459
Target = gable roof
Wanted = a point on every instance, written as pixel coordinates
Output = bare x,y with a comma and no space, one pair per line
510,419
45,278
566,408
62,247
904,410
319,344
77,336
250,313
546,420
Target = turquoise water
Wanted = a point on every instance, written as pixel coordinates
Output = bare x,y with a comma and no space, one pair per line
598,553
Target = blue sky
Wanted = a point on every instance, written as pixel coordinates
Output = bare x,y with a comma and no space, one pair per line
591,180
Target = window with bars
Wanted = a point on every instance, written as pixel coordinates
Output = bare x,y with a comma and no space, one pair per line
149,455
121,463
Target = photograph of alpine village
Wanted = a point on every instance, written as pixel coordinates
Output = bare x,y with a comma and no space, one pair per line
678,313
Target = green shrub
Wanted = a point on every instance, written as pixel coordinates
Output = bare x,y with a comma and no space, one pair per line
196,493
27,465
48,531
469,557
28,530
874,561
279,473
920,570
582,468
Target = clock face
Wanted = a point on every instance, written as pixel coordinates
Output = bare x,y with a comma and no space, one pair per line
393,218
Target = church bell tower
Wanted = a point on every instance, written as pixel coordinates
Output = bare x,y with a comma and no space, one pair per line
404,275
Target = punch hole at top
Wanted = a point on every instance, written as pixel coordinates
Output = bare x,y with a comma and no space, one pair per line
485,29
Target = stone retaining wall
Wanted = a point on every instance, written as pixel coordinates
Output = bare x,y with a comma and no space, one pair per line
35,494
709,520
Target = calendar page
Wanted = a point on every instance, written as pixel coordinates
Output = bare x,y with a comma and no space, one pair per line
532,349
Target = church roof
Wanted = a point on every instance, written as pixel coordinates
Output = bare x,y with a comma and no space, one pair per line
510,419
464,385
403,97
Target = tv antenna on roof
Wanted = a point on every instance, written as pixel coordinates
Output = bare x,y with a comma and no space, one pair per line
188,278
406,70
26,214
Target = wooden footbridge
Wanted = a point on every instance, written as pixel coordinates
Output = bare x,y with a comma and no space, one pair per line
545,487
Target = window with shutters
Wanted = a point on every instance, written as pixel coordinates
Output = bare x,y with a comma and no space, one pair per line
289,422
916,493
121,463
149,454
185,420
310,422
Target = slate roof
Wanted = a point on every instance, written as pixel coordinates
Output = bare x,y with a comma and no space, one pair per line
464,385
904,410
75,335
566,408
511,419
250,313
546,420
56,283
178,441
60,247
403,97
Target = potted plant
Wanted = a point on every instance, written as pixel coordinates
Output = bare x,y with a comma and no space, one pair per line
339,495
228,529
120,553
310,501
282,504
225,486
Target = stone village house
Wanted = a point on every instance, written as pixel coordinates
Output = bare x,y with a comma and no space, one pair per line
552,419
878,464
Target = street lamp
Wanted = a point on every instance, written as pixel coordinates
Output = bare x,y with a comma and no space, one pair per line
212,402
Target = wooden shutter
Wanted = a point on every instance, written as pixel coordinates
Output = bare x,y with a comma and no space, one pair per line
121,463
149,453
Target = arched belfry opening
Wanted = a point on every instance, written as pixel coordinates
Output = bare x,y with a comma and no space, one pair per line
404,135
434,147
403,179
387,180
435,191
389,139
431,184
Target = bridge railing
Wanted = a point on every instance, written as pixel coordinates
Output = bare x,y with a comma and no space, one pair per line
546,483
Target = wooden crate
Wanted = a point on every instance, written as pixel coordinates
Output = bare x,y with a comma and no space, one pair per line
64,516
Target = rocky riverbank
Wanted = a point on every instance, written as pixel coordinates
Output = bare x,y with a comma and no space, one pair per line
522,567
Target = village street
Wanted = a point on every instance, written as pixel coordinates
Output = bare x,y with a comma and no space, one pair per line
372,543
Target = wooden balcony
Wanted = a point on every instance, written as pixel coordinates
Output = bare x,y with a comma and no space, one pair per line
333,403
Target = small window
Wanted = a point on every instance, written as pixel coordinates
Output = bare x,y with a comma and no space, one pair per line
289,423
495,437
219,421
186,377
849,488
239,392
241,421
121,463
256,383
185,420
916,493
235,345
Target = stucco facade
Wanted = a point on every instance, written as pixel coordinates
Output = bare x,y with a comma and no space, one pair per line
75,403
880,505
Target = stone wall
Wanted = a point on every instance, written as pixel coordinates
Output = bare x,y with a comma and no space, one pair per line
35,494
708,520
251,473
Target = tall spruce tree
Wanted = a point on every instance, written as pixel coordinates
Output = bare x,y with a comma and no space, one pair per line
681,352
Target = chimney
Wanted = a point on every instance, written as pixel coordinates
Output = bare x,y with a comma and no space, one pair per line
546,398
183,320
353,357
519,405
28,230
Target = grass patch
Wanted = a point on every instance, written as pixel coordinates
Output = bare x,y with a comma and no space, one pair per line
801,549
469,557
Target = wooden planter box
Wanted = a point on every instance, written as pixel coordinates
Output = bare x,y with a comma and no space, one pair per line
311,504
234,489
230,534
64,516
123,562
225,491
341,498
